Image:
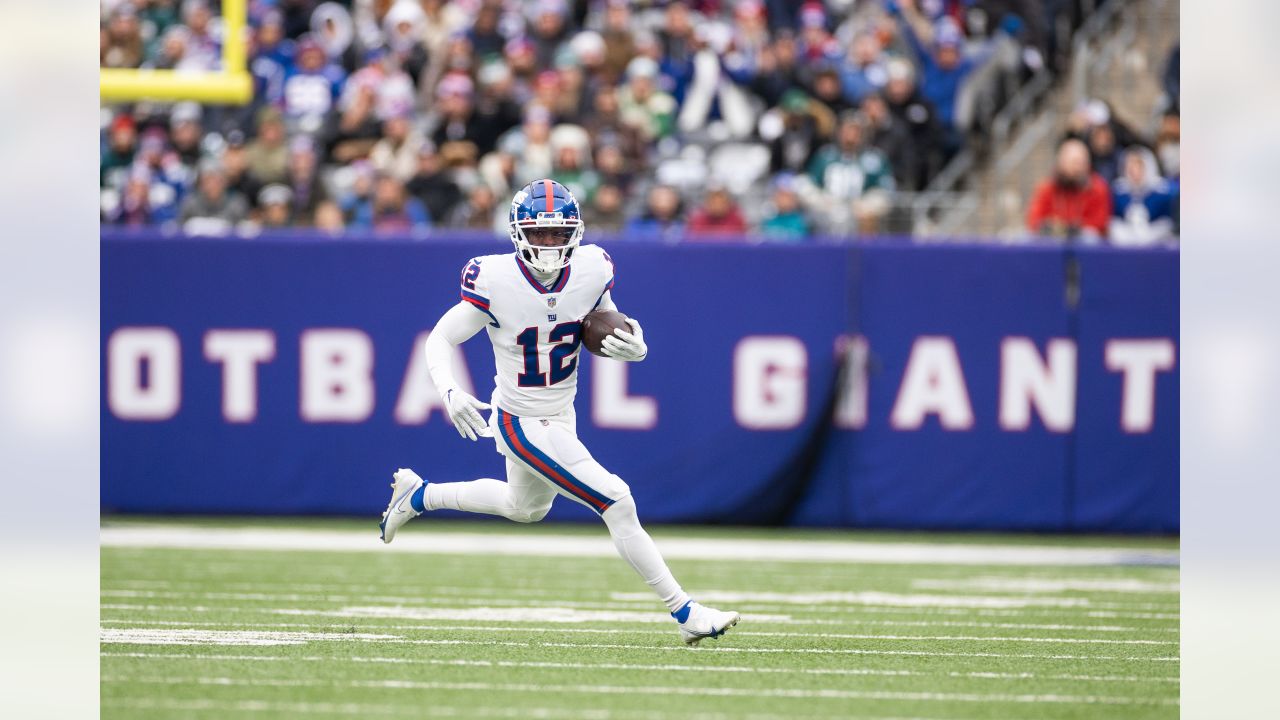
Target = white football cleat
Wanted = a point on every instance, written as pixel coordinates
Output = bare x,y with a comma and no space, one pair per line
399,510
703,622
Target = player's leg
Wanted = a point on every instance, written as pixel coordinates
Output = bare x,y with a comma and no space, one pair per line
522,498
553,451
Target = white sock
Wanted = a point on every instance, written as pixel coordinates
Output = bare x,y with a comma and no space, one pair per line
485,495
637,548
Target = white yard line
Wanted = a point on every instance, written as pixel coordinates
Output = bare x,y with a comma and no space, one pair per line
434,709
747,550
1048,585
192,637
826,612
506,628
817,601
913,600
654,668
146,636
694,691
572,616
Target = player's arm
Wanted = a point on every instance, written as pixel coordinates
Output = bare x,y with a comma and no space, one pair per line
458,325
623,345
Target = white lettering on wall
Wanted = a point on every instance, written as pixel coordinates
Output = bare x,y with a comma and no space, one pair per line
337,375
144,373
770,377
1139,361
611,405
1027,382
933,384
240,352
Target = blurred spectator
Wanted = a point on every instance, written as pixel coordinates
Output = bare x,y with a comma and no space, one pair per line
920,118
235,163
123,46
605,123
402,28
204,47
328,218
303,177
117,156
1142,202
777,68
572,161
332,27
1102,149
212,209
484,36
186,133
795,129
605,211
311,87
719,215
1168,144
612,167
1074,202
864,71
662,213
816,43
641,105
479,211
396,154
786,220
276,203
848,168
944,65
548,29
135,205
432,184
828,90
267,154
619,42
390,209
1171,79
889,134
455,120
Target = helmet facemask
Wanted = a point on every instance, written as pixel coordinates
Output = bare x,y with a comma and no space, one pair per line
546,244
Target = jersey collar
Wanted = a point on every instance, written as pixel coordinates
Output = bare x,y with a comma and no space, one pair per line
557,286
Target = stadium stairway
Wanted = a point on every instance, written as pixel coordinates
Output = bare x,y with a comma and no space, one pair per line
1118,56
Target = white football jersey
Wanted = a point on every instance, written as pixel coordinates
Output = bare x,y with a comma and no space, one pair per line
535,330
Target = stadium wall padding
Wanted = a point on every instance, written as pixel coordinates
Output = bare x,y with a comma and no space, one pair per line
815,434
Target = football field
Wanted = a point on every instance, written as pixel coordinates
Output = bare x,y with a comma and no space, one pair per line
224,618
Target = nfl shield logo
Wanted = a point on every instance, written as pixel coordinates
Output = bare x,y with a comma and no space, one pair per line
551,302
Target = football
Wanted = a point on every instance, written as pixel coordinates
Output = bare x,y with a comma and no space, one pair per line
599,324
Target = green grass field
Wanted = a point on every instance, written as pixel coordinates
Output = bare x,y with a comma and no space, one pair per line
291,619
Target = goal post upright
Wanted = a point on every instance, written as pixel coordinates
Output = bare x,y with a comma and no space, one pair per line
232,85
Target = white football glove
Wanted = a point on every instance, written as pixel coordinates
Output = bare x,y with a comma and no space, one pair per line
626,346
464,412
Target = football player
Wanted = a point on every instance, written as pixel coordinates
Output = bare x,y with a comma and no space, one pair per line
532,302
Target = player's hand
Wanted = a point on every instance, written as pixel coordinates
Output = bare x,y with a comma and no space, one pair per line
626,346
464,411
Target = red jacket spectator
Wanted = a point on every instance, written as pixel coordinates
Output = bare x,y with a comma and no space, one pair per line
1075,201
719,215
1057,209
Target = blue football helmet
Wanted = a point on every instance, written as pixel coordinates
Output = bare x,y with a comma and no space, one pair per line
545,225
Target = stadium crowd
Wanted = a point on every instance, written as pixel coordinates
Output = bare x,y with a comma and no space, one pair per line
708,118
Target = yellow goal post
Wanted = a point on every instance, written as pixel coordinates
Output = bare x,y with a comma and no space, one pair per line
232,85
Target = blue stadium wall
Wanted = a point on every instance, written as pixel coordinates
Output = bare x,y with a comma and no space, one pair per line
865,386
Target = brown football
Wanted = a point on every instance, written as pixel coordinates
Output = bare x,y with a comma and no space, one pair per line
600,324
